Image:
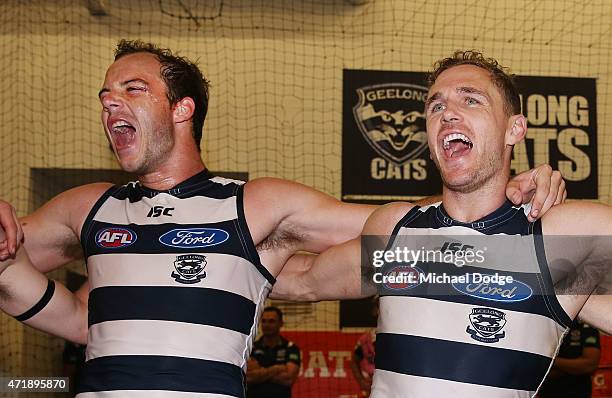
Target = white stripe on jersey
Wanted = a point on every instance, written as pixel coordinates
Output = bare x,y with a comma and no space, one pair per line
166,338
149,394
394,385
223,272
192,210
503,252
451,320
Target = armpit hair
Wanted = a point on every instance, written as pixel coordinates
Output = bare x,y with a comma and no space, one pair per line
5,292
281,238
73,251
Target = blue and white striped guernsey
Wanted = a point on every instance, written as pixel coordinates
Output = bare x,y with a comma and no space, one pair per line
177,291
462,340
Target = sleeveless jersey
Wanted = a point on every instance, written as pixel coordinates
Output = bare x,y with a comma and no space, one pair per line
440,336
177,289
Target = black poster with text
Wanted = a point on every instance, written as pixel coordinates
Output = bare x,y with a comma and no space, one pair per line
562,130
384,144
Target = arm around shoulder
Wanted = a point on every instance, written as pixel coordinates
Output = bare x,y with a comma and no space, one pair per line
337,272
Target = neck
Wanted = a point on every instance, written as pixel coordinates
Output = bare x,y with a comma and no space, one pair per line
471,206
172,172
272,340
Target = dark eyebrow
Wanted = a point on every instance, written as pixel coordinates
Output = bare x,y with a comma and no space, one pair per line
125,83
472,90
433,98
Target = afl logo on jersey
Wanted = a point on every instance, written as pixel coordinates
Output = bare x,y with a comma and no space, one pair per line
192,238
114,237
402,277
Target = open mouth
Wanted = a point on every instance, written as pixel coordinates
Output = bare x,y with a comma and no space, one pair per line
122,132
456,144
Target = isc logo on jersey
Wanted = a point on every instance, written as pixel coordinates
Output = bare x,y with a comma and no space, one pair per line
191,238
114,238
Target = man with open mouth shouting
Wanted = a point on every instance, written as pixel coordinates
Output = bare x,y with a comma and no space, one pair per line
474,297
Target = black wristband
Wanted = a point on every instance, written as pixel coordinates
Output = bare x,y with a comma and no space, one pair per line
36,308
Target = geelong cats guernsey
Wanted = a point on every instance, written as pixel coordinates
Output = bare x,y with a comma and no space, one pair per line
468,339
177,291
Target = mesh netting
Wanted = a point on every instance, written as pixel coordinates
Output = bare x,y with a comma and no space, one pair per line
276,99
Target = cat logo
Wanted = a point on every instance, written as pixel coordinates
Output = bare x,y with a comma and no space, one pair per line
189,268
487,323
392,120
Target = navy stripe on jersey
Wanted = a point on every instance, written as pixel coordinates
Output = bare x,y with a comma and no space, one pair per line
537,303
556,308
233,245
507,219
146,372
466,363
186,304
87,225
188,188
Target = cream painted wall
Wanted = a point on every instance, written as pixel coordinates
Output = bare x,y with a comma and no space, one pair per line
276,73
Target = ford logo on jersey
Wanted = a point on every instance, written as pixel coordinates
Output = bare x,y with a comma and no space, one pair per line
115,237
190,238
508,292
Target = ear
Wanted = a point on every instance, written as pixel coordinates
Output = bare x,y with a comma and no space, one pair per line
183,110
516,130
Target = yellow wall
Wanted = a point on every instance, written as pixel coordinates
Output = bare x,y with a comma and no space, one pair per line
276,73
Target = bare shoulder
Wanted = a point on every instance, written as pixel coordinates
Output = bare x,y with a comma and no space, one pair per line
52,232
69,207
578,218
384,218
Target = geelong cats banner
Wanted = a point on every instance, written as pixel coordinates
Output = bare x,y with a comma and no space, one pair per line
384,146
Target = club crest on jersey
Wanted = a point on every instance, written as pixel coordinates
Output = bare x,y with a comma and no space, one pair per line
487,323
189,268
391,119
510,292
115,237
193,238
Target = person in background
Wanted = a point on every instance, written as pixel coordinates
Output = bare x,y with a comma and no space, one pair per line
362,360
570,375
275,361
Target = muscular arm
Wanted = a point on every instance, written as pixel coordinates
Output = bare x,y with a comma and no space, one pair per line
336,273
596,311
22,287
579,234
51,233
286,217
